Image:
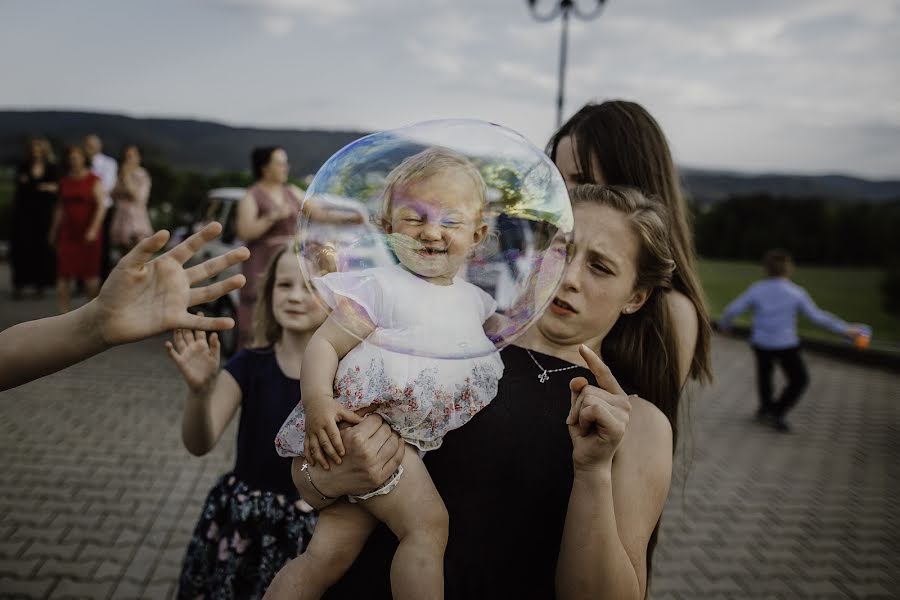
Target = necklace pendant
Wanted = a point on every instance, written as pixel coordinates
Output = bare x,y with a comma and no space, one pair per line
543,377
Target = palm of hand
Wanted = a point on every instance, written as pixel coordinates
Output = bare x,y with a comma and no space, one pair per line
141,300
198,363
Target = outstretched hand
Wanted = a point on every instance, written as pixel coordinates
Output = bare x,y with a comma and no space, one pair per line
196,359
144,297
599,415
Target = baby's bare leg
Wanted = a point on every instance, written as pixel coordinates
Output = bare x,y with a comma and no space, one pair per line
339,537
416,514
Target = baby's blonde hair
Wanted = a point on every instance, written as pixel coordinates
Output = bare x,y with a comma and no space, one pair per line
428,163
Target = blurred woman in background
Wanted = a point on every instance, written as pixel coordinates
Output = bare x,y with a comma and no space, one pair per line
76,228
32,259
130,222
266,221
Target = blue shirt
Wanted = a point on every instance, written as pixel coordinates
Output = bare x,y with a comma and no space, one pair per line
775,303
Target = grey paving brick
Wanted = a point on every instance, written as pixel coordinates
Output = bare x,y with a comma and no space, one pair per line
76,569
69,588
142,563
32,587
39,549
11,549
20,568
159,589
127,590
109,570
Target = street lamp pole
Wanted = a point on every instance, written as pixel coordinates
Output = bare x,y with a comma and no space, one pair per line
564,8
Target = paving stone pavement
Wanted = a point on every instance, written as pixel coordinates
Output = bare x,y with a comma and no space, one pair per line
98,497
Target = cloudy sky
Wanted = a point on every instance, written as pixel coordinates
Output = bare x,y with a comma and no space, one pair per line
767,85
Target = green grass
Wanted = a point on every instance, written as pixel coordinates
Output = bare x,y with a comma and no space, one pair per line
852,294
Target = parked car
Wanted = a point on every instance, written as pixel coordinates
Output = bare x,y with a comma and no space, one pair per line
220,205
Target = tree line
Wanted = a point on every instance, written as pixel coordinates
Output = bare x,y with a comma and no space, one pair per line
815,230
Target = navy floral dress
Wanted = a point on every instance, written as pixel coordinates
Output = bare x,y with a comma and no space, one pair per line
253,521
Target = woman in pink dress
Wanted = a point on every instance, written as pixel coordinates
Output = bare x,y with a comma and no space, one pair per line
130,222
266,221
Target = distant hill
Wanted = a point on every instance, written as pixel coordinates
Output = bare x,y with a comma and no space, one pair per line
709,187
183,143
210,147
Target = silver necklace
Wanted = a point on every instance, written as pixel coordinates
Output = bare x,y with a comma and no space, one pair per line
543,377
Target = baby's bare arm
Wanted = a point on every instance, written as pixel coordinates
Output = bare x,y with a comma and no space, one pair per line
331,342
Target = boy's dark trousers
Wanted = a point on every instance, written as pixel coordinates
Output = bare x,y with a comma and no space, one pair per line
797,379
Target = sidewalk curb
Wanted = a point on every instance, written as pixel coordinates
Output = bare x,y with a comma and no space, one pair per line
878,359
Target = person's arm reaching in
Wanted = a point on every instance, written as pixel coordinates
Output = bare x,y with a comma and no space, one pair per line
141,298
373,451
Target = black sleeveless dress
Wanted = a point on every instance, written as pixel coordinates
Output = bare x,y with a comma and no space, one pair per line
505,477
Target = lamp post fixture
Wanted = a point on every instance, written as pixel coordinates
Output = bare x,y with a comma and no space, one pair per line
564,8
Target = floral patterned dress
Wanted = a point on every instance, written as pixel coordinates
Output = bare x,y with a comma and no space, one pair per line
427,368
252,521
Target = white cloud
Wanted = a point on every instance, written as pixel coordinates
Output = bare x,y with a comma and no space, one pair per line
320,11
277,25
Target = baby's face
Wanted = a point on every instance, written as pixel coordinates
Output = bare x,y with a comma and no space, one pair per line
435,223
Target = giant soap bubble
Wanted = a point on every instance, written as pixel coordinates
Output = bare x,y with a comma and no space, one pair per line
443,202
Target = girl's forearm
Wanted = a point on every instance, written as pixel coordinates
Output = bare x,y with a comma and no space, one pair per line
197,431
592,559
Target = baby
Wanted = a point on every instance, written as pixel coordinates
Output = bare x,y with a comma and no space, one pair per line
425,365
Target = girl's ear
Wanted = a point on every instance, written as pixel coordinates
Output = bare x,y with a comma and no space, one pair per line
637,300
480,233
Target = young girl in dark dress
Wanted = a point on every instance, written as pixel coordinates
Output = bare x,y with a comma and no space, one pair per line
253,521
547,495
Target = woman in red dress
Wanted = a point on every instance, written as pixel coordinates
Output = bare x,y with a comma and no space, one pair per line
76,228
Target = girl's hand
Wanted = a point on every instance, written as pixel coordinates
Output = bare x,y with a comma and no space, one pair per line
599,416
91,235
197,360
323,437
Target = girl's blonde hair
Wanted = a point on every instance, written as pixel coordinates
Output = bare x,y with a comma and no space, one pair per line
428,163
266,330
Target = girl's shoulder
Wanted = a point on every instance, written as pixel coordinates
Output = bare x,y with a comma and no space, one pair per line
650,436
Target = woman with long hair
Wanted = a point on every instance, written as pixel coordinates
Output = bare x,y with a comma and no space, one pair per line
619,143
32,259
555,488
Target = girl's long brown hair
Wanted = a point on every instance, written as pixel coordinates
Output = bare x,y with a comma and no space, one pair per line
266,330
631,150
641,349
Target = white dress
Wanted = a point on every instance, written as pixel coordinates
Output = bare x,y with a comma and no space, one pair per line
427,368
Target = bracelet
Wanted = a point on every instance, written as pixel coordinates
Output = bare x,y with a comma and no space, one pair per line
305,468
385,489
